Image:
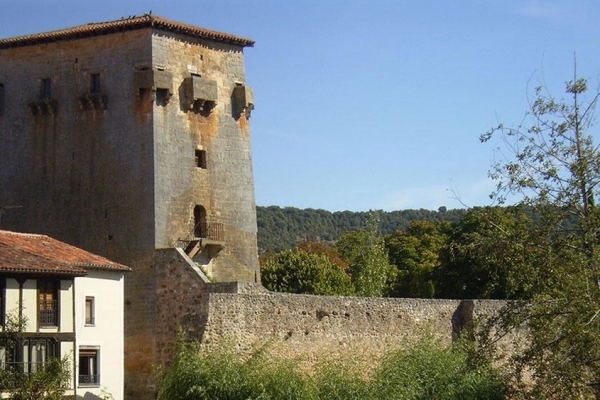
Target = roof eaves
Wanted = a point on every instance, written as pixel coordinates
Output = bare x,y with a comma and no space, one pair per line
106,267
102,28
44,271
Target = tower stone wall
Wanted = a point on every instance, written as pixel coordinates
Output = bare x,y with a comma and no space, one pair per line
80,172
225,186
127,138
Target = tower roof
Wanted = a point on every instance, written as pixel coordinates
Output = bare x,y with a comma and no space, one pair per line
121,25
41,254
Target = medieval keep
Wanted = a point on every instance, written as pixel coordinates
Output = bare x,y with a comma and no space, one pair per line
130,139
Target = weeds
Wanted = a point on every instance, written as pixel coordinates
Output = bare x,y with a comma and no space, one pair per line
424,371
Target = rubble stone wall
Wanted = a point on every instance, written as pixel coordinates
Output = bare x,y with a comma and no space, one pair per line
310,326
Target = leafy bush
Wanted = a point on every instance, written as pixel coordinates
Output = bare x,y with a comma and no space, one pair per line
47,383
297,271
431,371
427,370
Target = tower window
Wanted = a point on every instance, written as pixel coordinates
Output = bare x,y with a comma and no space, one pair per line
162,97
200,225
95,83
46,89
200,159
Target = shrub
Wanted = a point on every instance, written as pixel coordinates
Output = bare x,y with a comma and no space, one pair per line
424,371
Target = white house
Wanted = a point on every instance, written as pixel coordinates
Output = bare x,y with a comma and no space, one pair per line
72,303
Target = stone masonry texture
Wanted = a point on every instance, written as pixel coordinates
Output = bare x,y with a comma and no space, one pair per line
115,171
315,326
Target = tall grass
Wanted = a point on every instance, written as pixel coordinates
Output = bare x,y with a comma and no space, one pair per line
426,370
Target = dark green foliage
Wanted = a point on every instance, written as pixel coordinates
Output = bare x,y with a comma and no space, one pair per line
325,250
222,375
485,257
43,382
356,265
297,271
283,228
554,168
46,383
415,252
427,370
366,255
431,371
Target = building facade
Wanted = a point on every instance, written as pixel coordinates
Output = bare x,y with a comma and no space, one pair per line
126,138
60,301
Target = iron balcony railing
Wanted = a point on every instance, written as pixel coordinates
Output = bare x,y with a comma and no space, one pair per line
89,379
210,231
14,373
48,313
204,230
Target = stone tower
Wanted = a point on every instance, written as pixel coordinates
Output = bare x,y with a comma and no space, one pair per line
126,138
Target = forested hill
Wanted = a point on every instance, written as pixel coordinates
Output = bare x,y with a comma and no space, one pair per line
282,228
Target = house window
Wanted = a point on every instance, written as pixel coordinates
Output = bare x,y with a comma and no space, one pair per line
48,303
37,352
9,353
89,311
22,356
46,89
201,159
95,83
89,366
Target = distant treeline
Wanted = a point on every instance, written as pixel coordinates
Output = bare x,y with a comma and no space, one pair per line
283,228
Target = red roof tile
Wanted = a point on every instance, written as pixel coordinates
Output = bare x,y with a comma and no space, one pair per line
103,28
40,254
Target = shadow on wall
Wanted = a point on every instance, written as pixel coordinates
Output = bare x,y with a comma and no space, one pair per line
462,317
91,396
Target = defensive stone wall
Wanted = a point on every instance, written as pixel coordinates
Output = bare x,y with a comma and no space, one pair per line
181,293
246,317
311,326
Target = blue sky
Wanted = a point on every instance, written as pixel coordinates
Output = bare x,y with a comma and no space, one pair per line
373,104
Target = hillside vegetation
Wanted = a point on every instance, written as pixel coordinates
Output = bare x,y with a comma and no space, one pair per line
282,229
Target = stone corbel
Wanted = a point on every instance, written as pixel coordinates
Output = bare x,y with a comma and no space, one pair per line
92,101
243,100
201,94
43,107
155,82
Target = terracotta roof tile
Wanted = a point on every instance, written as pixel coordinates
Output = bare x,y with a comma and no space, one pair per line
103,28
40,254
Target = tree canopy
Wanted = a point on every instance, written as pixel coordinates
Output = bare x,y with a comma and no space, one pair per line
298,271
553,167
284,228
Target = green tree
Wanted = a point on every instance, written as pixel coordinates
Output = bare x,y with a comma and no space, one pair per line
45,382
332,254
365,253
284,228
415,253
555,169
297,271
48,382
485,256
